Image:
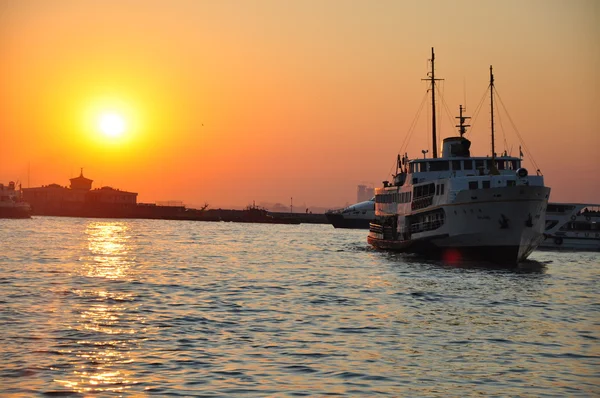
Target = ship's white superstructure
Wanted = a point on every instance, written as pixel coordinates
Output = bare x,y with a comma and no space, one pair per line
461,206
572,226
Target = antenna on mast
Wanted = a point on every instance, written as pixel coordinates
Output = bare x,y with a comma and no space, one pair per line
432,79
462,127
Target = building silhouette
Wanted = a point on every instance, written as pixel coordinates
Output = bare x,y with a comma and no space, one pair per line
364,193
55,199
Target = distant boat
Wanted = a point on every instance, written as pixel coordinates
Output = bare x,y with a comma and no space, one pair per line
11,202
572,226
458,206
358,215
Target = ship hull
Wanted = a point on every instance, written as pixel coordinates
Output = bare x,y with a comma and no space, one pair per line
499,231
571,243
15,212
339,221
506,256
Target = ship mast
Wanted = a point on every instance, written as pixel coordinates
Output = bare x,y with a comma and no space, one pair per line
462,127
492,112
432,79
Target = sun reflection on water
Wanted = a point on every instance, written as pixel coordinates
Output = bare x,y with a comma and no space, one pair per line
108,244
108,323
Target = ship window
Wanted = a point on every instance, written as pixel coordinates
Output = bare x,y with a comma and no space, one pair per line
500,164
442,189
582,226
473,185
479,164
514,165
437,189
423,166
468,164
456,165
511,183
552,208
424,190
440,165
486,184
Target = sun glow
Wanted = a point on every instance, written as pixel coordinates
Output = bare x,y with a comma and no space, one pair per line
111,124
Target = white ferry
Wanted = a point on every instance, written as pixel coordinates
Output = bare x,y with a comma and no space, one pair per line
12,204
459,206
572,226
358,215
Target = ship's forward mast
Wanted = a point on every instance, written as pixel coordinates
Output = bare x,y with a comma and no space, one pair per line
431,78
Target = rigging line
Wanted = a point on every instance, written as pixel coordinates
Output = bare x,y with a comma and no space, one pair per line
448,112
413,124
517,131
410,131
477,110
429,135
499,118
441,88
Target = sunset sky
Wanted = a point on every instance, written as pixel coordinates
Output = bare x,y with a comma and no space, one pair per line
227,102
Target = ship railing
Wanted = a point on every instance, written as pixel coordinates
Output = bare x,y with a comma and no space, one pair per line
376,228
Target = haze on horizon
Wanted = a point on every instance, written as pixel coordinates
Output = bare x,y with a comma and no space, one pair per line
228,102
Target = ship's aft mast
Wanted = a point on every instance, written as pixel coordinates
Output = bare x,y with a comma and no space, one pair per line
432,79
492,110
462,127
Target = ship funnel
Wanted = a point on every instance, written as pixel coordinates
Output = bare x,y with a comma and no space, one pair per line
456,147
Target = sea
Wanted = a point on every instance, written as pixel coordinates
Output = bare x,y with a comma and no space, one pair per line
106,307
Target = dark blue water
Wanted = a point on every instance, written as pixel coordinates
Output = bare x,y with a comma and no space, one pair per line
168,308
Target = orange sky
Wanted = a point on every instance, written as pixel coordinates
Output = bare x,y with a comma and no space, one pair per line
227,102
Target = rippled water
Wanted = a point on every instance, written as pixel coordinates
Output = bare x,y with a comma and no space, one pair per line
145,307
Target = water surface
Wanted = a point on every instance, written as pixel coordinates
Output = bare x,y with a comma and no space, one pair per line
176,308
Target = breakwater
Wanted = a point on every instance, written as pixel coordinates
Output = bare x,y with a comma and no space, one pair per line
156,212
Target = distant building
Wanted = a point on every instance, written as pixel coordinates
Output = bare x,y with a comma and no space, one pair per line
79,194
111,195
364,193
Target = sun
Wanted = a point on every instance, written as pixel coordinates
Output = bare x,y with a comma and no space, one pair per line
111,124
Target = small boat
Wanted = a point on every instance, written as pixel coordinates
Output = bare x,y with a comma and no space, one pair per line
358,215
572,226
11,202
459,206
